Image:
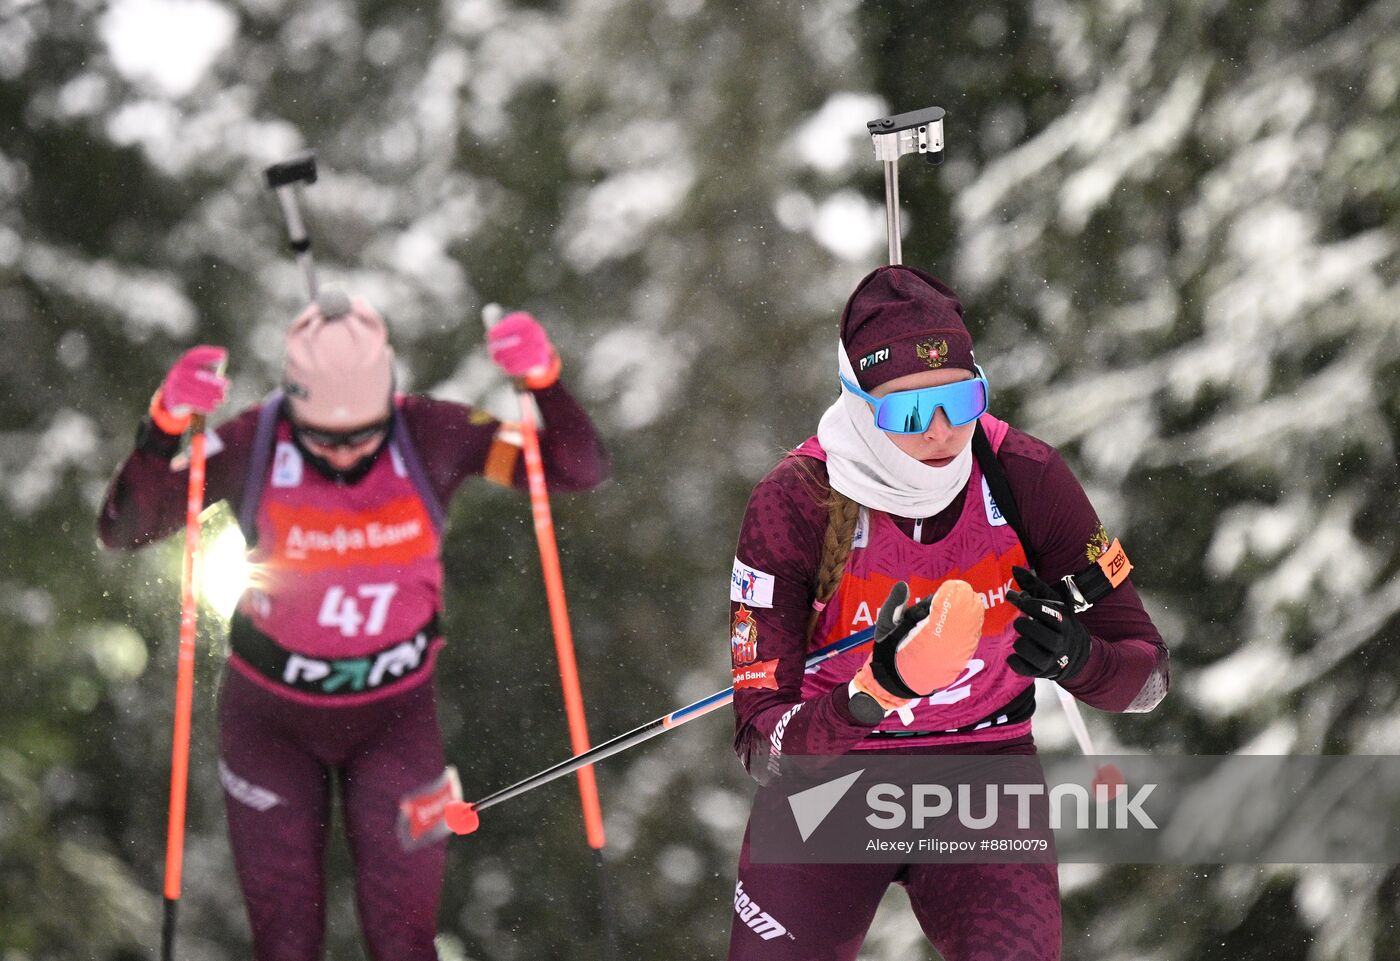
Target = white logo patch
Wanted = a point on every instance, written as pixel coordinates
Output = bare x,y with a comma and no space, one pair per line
286,465
759,921
994,515
750,585
244,792
775,741
212,445
862,537
875,357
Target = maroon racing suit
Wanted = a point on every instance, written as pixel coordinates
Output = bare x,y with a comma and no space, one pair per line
970,912
333,648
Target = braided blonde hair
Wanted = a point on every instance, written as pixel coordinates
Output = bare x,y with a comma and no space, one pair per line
842,515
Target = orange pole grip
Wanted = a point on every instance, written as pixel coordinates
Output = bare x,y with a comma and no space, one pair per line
184,679
559,620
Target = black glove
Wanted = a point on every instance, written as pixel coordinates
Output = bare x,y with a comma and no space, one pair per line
892,626
1051,642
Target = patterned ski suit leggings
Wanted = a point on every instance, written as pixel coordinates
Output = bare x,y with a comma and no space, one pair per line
970,912
278,760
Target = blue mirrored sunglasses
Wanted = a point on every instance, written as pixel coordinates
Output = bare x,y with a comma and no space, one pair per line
911,411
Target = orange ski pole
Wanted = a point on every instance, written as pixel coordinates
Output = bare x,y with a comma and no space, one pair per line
563,642
184,690
559,620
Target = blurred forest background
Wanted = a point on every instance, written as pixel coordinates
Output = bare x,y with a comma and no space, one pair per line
1174,226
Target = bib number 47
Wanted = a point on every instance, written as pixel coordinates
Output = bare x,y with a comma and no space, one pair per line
341,609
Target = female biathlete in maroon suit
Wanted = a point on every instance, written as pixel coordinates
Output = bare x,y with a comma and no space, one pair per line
339,485
897,489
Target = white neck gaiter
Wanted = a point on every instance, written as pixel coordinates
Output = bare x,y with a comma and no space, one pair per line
866,466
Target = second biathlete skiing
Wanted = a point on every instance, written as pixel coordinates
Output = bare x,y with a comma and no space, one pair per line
341,486
891,501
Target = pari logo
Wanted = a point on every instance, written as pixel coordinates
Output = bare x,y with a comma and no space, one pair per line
750,586
875,357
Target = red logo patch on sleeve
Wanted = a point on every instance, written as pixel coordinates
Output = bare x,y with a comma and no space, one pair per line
761,675
743,637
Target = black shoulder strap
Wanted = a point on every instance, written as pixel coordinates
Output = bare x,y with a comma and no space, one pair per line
413,466
1087,587
264,437
1000,488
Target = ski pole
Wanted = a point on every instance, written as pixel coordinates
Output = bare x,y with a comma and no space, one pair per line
184,690
563,641
287,180
462,816
1107,774
919,131
1076,721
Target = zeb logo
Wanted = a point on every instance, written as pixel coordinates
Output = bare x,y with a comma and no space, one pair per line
760,922
875,357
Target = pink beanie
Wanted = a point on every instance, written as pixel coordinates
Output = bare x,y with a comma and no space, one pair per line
339,371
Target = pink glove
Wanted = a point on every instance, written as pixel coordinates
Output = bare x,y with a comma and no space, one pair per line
521,348
193,386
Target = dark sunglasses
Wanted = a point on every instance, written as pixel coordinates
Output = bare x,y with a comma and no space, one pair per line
342,438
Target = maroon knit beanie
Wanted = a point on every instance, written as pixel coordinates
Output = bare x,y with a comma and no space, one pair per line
901,321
